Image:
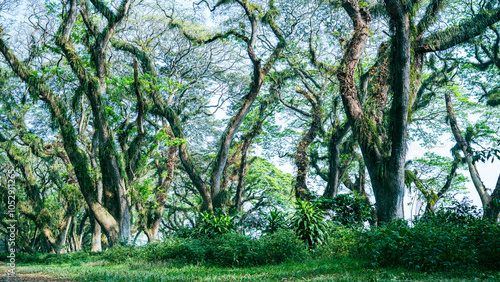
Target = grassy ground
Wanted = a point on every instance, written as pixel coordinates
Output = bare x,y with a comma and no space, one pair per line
332,269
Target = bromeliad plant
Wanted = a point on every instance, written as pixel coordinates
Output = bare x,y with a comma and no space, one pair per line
212,225
276,220
309,223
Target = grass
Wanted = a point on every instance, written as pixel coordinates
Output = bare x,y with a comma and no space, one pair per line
330,269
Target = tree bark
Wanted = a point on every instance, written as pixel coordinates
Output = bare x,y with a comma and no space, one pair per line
491,203
334,165
392,194
153,217
384,154
302,158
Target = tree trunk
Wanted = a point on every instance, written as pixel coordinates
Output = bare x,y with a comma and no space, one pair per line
492,209
334,165
153,220
491,203
96,244
384,155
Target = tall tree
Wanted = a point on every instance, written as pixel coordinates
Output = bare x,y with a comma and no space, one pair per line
92,78
381,124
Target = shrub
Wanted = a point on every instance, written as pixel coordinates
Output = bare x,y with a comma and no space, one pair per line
185,232
309,223
180,250
275,220
211,225
382,245
342,241
120,253
230,249
32,257
49,258
487,237
348,209
443,241
280,246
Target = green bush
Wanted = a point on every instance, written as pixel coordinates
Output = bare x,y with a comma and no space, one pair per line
443,241
309,223
341,242
212,225
275,220
120,253
348,209
488,245
280,246
32,257
48,258
230,249
180,250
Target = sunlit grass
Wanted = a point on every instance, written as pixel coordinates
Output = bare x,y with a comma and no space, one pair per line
332,269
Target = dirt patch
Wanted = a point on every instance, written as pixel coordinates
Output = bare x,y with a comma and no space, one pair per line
31,277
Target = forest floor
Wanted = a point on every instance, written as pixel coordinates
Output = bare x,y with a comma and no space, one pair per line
332,269
20,277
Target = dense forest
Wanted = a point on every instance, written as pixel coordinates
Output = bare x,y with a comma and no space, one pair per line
134,121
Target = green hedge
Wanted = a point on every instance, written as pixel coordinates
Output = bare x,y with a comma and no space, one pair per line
231,250
439,242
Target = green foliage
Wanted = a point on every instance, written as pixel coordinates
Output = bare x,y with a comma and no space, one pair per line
230,249
264,176
342,241
338,269
44,258
348,209
120,253
449,239
488,245
182,250
211,225
309,223
281,246
163,136
275,220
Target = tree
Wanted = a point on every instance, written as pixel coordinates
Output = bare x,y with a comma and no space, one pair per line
115,219
491,203
210,192
381,129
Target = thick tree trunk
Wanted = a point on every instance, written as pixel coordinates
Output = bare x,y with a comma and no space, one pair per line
385,164
112,172
333,170
78,159
57,243
392,194
231,129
